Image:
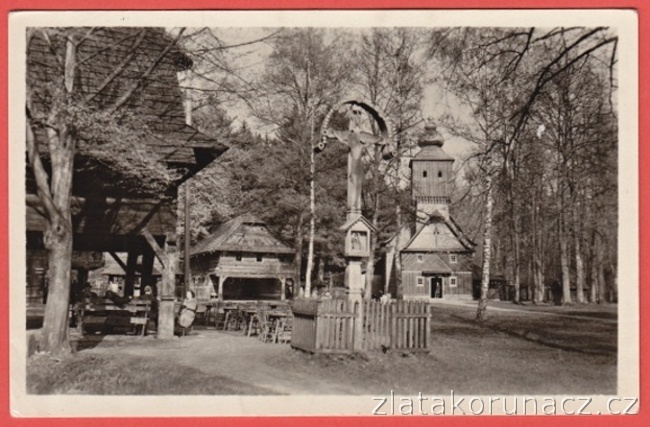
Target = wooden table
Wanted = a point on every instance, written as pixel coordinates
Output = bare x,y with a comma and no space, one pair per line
276,317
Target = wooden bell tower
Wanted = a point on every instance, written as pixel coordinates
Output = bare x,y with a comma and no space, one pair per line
431,176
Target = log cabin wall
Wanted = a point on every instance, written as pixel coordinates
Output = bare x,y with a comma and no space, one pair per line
247,264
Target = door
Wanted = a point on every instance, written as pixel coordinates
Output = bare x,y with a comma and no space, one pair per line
436,287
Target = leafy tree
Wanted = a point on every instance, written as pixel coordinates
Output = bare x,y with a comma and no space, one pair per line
83,89
305,74
503,74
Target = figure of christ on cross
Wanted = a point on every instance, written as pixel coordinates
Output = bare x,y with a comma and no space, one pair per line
356,140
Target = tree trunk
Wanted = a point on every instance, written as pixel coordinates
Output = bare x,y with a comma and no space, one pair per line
601,279
58,241
298,260
564,260
598,273
397,271
487,243
580,273
516,278
594,277
577,244
536,264
56,199
55,322
515,240
312,216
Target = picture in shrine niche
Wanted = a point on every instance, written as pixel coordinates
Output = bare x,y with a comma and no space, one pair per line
359,241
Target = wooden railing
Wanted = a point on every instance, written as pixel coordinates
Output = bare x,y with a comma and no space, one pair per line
328,326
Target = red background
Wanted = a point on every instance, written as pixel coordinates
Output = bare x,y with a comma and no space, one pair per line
643,9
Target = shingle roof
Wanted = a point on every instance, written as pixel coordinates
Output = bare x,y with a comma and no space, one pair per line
246,233
159,101
432,152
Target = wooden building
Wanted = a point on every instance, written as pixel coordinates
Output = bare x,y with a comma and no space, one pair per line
242,260
110,213
114,270
37,262
435,255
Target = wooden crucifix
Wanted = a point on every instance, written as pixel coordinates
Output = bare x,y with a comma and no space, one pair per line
357,139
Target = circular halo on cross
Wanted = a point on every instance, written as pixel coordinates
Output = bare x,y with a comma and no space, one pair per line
358,109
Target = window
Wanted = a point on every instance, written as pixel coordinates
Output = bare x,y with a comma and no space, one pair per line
238,256
453,258
259,258
420,281
439,174
453,282
424,174
420,258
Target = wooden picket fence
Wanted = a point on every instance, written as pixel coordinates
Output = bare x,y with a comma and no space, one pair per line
401,325
325,326
330,326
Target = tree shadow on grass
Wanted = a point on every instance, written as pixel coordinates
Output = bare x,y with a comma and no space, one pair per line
593,314
577,341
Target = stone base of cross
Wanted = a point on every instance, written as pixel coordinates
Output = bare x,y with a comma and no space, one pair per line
354,280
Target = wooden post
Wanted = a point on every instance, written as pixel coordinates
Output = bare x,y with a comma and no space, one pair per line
131,262
146,278
357,343
186,242
221,281
283,287
166,308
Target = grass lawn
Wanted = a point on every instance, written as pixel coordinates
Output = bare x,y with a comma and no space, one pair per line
568,350
95,374
511,353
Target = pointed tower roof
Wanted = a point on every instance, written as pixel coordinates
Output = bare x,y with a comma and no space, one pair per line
430,144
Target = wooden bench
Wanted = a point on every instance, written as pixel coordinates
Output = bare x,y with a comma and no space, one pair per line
106,314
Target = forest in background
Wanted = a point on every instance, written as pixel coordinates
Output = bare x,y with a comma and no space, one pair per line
533,109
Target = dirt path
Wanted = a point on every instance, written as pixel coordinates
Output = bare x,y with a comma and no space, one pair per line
231,355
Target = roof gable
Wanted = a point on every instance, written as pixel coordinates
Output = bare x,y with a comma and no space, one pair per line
246,233
431,263
359,219
437,235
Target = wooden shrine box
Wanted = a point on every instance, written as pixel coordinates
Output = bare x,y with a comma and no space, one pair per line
358,232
